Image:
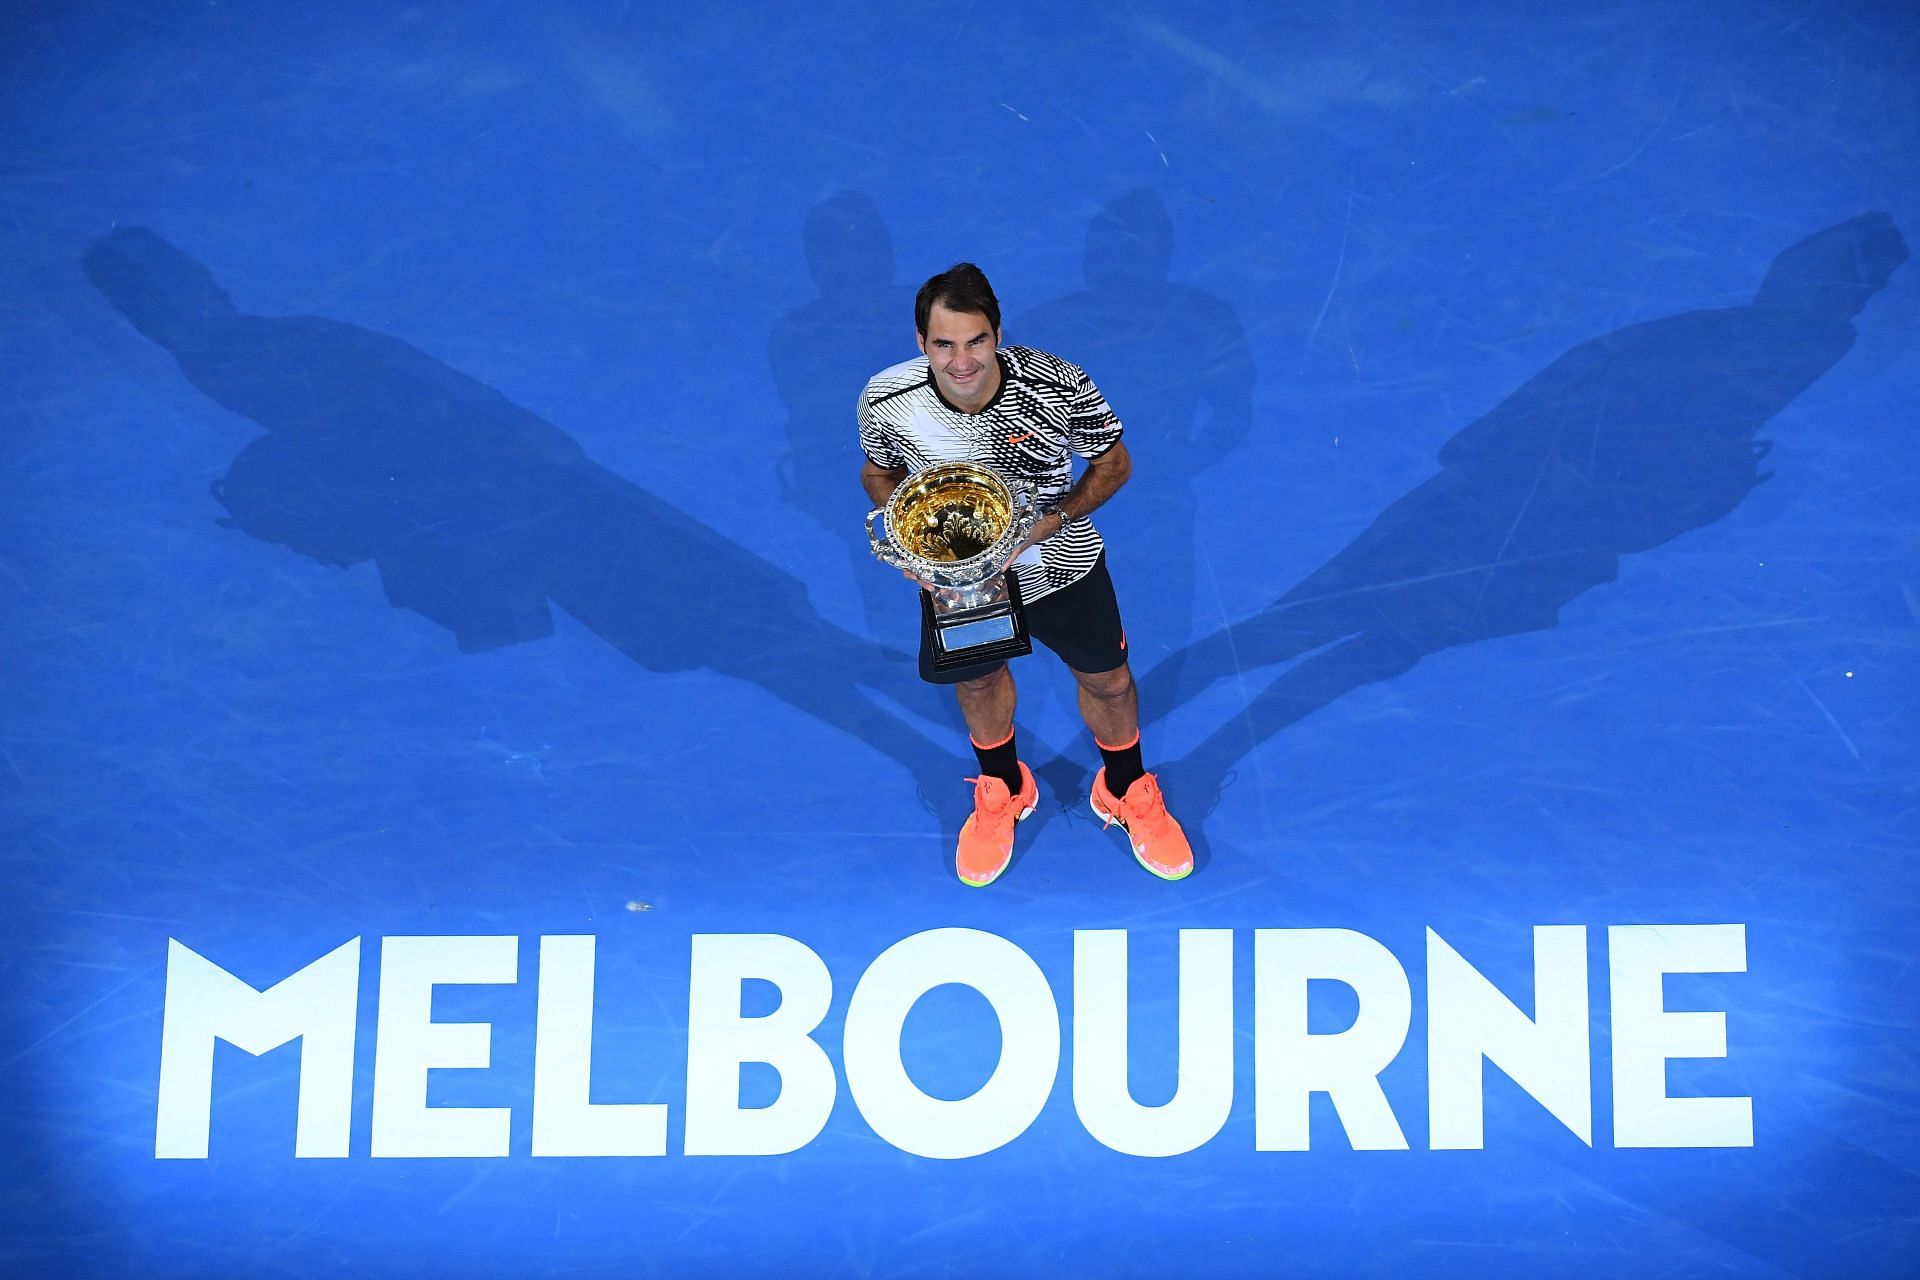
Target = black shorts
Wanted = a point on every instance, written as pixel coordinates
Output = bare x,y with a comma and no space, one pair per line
1080,623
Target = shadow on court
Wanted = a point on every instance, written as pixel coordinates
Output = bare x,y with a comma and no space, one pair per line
822,353
480,515
1174,362
1622,444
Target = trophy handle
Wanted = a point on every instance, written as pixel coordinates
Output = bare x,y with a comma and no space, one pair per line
884,549
1026,512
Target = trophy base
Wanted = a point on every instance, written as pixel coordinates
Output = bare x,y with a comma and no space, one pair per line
969,637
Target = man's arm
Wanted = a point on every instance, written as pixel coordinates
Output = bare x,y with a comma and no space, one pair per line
879,481
1101,480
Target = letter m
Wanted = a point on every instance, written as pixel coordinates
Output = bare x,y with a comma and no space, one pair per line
205,1003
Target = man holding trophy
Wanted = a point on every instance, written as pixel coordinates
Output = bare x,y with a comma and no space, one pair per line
969,461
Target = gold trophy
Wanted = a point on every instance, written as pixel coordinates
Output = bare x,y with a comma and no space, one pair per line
954,527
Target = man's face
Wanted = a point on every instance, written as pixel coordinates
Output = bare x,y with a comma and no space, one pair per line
959,345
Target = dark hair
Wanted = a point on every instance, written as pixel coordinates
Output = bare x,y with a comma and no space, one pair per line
961,287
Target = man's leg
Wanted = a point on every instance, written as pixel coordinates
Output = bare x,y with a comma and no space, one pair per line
987,705
1005,791
1081,623
1110,704
1123,791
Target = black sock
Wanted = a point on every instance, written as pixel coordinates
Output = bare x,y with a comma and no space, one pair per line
1002,762
1123,765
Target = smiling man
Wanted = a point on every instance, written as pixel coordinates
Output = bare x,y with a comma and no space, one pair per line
967,398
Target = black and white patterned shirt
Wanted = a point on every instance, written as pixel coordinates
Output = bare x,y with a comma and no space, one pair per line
1045,411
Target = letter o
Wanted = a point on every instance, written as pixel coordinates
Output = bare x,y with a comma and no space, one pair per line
1022,1080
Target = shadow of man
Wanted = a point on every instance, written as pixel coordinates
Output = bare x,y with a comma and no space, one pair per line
1174,362
478,513
1622,444
822,353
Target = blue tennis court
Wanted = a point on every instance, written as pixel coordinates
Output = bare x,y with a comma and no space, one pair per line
469,804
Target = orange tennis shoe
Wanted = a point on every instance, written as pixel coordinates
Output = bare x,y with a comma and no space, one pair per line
986,840
1158,843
